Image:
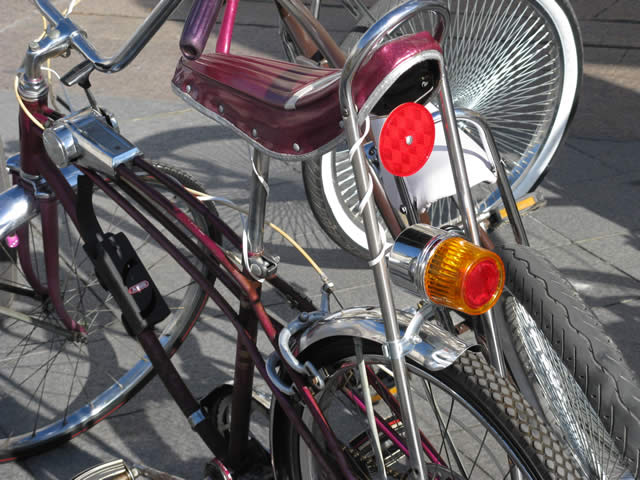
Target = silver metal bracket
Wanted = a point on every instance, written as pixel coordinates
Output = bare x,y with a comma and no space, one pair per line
399,348
325,301
86,138
263,266
37,183
304,321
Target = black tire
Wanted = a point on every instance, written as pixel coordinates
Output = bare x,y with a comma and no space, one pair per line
483,395
316,197
103,375
578,339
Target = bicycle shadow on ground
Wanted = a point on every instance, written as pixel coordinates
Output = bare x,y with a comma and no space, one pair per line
150,429
226,173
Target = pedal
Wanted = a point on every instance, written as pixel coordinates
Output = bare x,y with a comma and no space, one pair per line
218,404
527,204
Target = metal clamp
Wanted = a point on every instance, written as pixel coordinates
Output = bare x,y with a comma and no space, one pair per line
325,301
85,137
37,184
302,322
399,348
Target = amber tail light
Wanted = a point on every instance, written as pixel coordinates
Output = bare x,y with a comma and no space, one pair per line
446,269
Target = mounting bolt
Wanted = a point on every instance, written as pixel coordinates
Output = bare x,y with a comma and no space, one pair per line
256,270
34,45
188,89
54,33
254,132
296,147
220,108
409,139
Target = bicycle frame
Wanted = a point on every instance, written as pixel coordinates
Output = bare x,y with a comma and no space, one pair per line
34,165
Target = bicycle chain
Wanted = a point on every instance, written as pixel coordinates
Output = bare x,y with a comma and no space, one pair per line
370,464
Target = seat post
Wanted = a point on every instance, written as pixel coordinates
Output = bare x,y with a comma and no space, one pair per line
258,201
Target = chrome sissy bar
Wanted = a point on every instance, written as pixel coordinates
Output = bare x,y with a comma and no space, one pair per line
372,39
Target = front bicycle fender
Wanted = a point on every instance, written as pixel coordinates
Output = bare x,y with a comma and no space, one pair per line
437,350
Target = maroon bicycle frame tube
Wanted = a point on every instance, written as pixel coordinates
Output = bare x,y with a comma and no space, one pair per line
253,302
226,31
35,162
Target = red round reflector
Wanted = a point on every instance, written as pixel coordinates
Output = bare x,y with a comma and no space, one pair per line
480,283
406,139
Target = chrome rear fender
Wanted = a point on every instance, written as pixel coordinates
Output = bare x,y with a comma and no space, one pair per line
438,349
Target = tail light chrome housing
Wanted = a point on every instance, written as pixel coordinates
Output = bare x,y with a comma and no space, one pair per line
446,269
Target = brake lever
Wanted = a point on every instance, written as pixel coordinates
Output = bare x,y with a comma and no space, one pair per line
78,74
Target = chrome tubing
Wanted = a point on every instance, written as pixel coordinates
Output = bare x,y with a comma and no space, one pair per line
258,200
369,41
465,204
70,34
460,177
18,206
489,144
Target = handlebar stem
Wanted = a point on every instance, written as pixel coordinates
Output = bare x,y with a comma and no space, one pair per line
64,33
57,41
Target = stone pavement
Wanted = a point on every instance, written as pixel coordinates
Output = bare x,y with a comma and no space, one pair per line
590,228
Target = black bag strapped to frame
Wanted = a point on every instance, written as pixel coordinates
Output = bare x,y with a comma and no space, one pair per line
118,268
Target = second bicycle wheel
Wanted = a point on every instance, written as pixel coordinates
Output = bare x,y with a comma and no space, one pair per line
518,63
53,386
558,342
472,423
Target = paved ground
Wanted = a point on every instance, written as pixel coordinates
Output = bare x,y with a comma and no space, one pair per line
590,228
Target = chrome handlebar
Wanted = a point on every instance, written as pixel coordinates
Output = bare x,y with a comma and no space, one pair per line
66,34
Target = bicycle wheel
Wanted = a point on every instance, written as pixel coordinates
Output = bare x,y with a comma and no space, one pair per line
55,386
548,322
473,423
518,63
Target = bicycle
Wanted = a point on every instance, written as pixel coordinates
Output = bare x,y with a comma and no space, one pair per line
84,128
